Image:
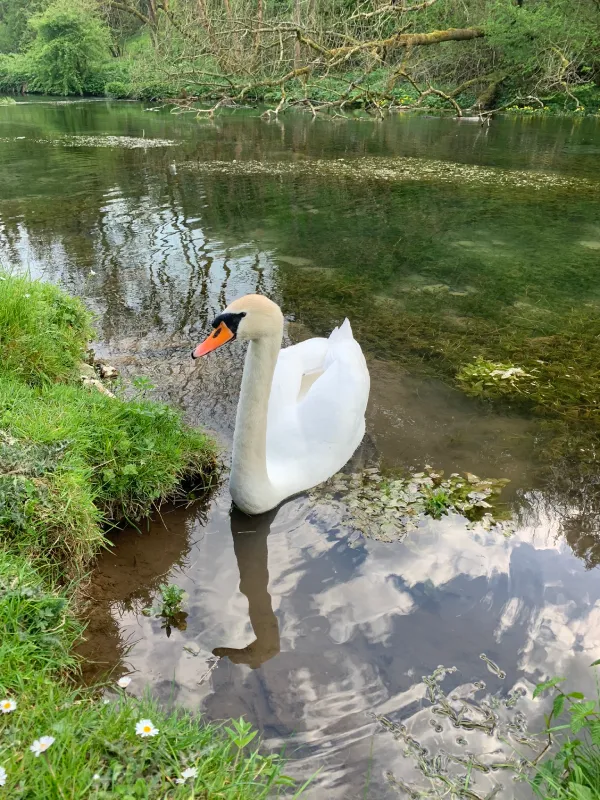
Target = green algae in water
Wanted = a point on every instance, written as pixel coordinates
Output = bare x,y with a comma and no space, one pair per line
387,508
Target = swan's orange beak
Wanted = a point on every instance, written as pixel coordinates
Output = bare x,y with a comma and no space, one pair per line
218,338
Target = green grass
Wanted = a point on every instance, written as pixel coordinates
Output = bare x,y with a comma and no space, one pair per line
43,332
71,458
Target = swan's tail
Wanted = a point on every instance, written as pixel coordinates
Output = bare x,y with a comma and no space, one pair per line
343,332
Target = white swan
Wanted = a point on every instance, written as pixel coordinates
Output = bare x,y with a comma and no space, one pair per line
301,412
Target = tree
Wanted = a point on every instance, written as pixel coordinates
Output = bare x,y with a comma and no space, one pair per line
71,42
14,19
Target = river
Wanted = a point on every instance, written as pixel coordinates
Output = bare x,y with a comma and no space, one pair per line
158,221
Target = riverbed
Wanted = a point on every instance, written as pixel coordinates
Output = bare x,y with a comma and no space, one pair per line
158,221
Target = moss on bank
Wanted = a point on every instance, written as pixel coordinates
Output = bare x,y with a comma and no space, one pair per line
71,460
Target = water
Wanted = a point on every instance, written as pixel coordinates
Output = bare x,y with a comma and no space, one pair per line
491,230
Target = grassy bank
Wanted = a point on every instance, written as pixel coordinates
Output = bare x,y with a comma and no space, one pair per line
73,460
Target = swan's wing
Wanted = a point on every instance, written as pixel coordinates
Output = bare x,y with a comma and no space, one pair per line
293,364
312,439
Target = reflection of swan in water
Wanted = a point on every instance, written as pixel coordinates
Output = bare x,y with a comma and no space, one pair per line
250,547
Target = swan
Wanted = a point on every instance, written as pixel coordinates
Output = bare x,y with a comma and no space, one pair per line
301,410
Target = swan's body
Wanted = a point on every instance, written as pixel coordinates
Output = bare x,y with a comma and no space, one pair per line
301,412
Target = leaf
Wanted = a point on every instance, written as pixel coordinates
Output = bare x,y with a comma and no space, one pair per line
595,733
579,712
558,705
541,687
595,663
129,469
576,695
579,792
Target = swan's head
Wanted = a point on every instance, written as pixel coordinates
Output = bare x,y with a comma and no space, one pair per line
250,317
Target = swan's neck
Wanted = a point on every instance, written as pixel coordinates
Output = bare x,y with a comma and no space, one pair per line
250,486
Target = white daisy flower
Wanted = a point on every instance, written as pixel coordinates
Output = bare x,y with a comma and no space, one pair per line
124,681
7,705
190,772
2,776
145,728
41,745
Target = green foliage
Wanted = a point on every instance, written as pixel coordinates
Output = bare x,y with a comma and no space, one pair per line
117,89
573,772
171,598
437,503
386,507
170,609
14,19
15,73
71,43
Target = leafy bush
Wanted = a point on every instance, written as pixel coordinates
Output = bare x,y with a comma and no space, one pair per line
117,89
71,43
15,73
155,90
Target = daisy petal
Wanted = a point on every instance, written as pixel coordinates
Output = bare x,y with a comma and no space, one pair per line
41,745
7,705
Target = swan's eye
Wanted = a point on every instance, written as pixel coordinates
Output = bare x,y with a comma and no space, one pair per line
230,319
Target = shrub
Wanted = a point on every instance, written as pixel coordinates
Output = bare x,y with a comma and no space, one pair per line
117,89
15,73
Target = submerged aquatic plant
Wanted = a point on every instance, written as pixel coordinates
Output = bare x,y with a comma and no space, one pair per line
484,377
387,508
455,772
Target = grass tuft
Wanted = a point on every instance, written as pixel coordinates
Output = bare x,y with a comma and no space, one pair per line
43,331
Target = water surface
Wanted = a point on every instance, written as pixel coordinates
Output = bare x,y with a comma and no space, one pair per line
480,230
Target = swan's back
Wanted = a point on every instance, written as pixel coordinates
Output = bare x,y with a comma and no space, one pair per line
317,407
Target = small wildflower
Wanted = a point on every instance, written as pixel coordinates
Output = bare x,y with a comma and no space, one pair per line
95,777
7,705
190,772
145,728
26,295
41,745
91,273
124,681
2,776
